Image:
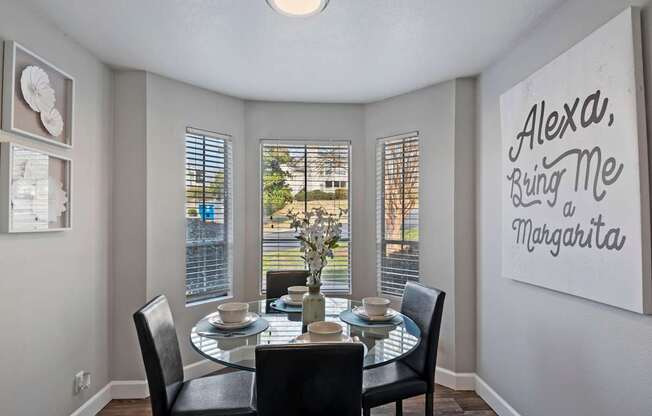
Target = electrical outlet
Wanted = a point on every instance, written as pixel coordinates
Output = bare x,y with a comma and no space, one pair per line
82,381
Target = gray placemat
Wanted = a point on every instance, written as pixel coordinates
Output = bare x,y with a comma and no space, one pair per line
204,328
279,305
352,319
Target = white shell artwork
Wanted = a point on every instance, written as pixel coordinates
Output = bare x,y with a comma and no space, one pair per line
36,89
52,121
57,199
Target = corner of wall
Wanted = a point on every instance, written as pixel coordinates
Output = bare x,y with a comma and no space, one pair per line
465,226
128,245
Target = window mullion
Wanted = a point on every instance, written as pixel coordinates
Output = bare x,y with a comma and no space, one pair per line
305,179
403,190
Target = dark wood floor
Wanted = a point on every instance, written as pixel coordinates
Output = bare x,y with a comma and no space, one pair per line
447,403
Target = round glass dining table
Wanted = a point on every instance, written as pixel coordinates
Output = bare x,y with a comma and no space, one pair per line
383,344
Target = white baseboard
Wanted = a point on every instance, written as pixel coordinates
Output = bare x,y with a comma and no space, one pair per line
129,389
95,403
493,399
137,389
471,381
455,381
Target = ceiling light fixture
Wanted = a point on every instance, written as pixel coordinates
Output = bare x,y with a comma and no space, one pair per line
298,8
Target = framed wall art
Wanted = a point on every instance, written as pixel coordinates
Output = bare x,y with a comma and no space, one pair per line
575,195
35,190
38,98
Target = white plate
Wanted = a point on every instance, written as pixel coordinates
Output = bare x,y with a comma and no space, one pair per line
305,339
288,301
359,311
217,322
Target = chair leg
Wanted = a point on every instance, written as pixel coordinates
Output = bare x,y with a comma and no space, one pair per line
430,405
366,411
399,408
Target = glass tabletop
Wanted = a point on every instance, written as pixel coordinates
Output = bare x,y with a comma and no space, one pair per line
384,344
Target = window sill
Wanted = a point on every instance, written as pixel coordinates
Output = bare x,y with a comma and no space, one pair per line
206,301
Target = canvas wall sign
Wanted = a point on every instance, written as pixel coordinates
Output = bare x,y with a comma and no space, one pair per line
575,196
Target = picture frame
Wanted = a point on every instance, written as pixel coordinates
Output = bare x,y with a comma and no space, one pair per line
22,69
35,190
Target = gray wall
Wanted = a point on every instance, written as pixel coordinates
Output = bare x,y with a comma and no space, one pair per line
465,227
152,114
129,242
173,106
439,112
54,294
542,351
446,176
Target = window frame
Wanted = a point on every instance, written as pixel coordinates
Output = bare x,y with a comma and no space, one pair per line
380,208
228,213
261,208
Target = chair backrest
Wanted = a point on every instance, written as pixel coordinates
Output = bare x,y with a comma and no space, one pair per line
278,281
161,355
425,306
309,379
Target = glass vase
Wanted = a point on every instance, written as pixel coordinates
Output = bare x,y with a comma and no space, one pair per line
314,306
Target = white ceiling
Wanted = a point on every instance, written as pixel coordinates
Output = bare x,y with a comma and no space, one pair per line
355,51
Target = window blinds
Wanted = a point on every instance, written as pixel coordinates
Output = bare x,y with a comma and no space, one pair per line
299,176
209,229
397,212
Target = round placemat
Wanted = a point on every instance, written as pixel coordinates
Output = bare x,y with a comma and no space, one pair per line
279,305
204,328
352,319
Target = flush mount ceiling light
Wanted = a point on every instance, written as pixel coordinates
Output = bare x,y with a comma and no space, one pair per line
298,8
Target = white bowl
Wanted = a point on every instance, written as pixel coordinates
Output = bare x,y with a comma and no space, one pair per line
233,312
325,331
296,293
375,306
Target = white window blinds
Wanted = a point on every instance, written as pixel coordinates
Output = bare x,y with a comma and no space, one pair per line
209,224
301,175
397,212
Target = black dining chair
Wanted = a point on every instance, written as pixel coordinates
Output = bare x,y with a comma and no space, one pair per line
278,281
322,379
219,395
415,374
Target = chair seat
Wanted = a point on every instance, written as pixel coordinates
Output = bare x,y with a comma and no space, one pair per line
391,382
220,395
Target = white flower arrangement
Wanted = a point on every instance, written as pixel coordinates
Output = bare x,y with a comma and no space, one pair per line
319,233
